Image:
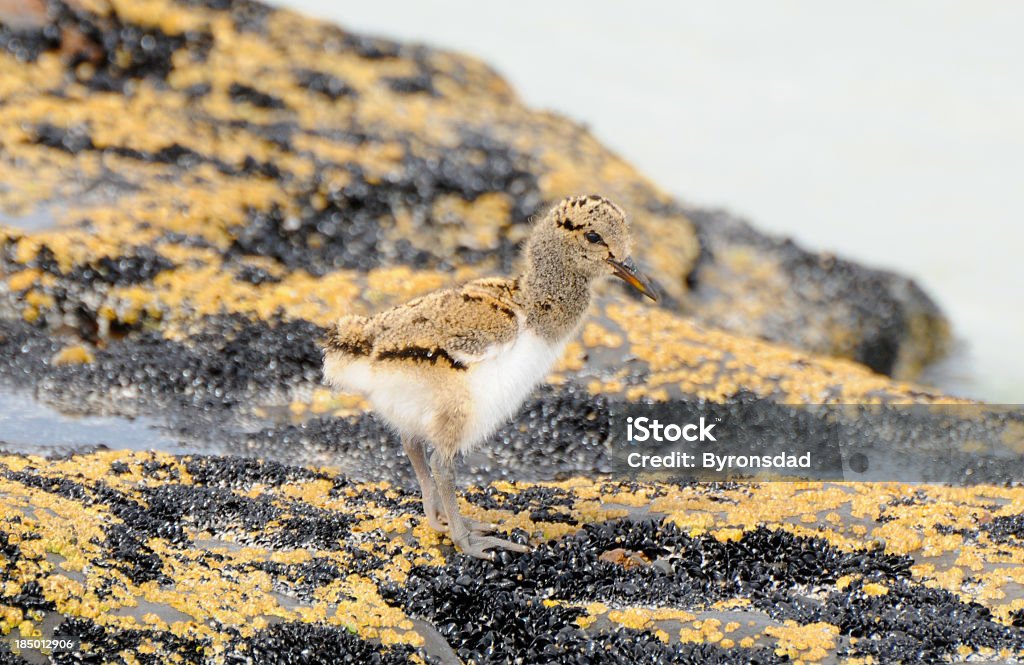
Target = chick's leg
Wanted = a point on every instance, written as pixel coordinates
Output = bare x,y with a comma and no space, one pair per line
415,449
472,543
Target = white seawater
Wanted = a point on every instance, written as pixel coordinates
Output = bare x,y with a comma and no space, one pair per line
891,133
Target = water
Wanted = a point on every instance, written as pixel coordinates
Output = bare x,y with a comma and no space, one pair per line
30,426
889,133
39,218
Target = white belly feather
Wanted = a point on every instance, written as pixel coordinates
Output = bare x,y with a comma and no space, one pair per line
403,398
499,385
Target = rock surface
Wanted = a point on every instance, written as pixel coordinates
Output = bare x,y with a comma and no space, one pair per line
200,156
191,192
219,559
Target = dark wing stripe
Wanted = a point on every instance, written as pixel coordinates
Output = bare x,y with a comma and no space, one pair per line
498,307
420,354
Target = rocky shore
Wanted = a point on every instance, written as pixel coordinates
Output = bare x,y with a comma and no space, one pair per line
191,192
220,559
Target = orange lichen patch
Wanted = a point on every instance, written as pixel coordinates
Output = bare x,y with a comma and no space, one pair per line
10,617
153,13
39,300
640,618
473,224
899,538
731,604
183,295
401,283
72,355
991,586
630,618
706,630
349,404
875,589
775,503
17,79
950,578
971,558
727,535
321,401
70,247
715,365
372,616
593,611
1004,612
22,280
843,582
595,335
809,642
573,358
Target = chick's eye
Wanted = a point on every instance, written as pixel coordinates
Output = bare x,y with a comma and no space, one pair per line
593,236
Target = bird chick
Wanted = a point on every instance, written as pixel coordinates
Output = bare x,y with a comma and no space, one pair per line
448,369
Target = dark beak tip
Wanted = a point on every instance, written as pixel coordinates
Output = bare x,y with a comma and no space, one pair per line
650,292
629,273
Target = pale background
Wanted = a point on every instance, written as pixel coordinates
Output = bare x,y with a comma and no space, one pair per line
892,133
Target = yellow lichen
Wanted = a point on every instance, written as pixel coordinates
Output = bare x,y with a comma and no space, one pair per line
72,355
808,642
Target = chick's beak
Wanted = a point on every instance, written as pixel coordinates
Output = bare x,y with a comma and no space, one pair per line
630,274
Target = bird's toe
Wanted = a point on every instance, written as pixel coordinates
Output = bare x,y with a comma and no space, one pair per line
481,528
482,547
